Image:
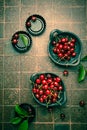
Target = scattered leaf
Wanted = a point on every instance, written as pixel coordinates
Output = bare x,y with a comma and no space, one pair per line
16,120
24,39
84,58
21,112
23,125
82,73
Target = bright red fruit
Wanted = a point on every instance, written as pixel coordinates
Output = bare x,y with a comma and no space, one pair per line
65,73
42,76
33,18
15,41
28,24
38,81
41,92
44,82
48,92
60,87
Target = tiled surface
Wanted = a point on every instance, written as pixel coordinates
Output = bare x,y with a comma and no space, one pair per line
16,69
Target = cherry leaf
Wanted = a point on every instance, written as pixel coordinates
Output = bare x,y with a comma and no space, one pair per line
84,58
23,125
21,112
16,120
82,73
24,39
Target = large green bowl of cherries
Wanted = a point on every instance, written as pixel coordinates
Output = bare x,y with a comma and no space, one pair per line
64,48
48,89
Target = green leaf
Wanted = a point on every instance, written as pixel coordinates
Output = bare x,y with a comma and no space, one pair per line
21,112
16,120
23,125
84,58
24,39
82,73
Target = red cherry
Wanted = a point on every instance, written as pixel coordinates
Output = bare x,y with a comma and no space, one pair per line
38,81
16,36
49,80
82,103
60,46
44,97
65,73
15,41
37,95
72,50
62,116
34,90
44,82
55,50
73,40
60,87
60,55
58,79
63,40
33,18
65,47
42,76
45,86
47,92
41,99
73,54
53,43
72,44
41,92
51,86
54,100
28,24
56,84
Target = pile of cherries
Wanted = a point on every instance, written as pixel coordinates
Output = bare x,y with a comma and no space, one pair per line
64,48
47,88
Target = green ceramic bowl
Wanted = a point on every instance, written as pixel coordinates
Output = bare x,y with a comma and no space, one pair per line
78,47
61,100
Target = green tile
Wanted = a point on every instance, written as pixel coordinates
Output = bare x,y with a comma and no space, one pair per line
28,2
75,14
79,114
78,3
8,126
1,14
28,63
41,127
1,111
1,64
1,95
65,3
1,30
58,111
1,3
64,14
27,97
61,127
9,34
12,2
78,95
43,115
25,80
11,63
1,46
8,113
1,80
11,97
79,126
12,14
79,29
11,80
